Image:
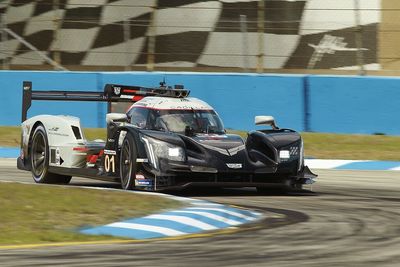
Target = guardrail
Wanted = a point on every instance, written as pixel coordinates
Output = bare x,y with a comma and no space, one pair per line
340,104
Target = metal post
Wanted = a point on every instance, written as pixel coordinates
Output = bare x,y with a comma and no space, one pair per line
260,26
127,36
4,39
306,103
151,40
245,42
56,46
359,38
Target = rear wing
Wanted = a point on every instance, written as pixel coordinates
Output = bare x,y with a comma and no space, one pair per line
111,93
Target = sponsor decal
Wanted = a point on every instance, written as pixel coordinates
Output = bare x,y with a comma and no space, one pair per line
109,163
143,182
234,165
59,134
54,129
329,44
110,152
117,90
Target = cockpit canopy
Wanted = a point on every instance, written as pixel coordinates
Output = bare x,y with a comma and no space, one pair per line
175,115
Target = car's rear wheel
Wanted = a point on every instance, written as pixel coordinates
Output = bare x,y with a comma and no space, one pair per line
128,164
39,155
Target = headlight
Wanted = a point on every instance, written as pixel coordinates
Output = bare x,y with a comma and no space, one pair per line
284,155
158,149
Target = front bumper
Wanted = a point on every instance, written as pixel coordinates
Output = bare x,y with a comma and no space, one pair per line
183,176
21,165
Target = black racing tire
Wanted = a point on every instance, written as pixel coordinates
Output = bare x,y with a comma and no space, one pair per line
39,157
127,163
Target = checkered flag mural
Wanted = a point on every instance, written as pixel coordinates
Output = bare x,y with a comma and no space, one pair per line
184,33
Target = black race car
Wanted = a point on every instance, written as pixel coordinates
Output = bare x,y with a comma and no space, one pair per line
165,140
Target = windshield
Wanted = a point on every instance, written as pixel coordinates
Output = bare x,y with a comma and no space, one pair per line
200,121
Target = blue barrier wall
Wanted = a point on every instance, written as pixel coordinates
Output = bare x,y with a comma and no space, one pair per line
354,104
342,104
11,95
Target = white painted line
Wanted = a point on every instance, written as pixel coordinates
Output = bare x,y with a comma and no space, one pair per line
184,220
328,163
211,216
183,199
233,213
255,213
195,203
150,228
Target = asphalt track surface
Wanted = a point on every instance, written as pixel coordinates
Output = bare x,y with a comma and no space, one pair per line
352,219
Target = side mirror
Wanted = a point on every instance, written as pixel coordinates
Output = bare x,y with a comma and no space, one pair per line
265,120
116,117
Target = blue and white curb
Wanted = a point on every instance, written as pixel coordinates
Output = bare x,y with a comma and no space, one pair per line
199,217
9,152
337,164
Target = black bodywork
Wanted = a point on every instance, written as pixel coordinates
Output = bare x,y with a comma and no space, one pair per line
223,160
216,159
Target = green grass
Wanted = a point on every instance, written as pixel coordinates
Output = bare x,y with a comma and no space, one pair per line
345,146
10,136
317,145
41,213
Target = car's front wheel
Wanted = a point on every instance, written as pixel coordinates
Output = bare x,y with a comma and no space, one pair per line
39,155
128,164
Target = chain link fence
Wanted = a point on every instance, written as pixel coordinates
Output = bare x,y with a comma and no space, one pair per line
349,36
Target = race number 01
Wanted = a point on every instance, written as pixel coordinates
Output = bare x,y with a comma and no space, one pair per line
109,163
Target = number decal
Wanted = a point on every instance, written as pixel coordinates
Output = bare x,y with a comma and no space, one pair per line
109,163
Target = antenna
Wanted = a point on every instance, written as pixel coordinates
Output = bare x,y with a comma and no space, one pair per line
163,83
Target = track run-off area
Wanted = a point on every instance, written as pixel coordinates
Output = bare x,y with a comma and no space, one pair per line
350,218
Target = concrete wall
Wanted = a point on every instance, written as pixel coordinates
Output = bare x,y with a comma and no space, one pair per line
341,104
